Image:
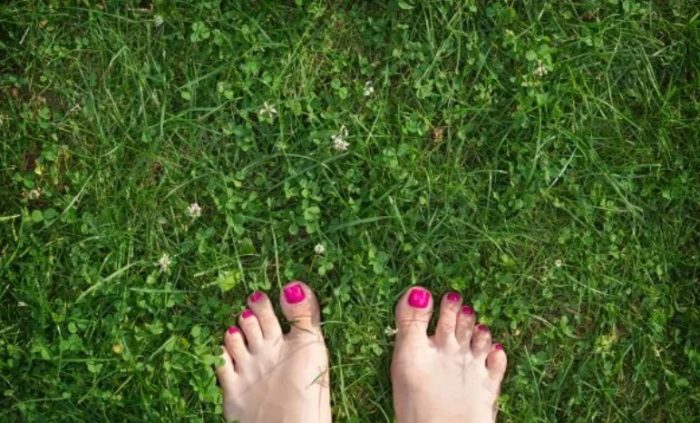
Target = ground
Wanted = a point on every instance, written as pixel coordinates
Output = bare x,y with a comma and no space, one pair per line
542,158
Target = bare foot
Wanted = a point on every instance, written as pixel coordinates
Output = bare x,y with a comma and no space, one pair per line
452,376
268,376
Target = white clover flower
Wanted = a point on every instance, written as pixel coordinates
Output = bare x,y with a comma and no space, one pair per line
164,263
21,304
319,249
34,194
389,331
541,70
369,89
267,111
338,140
558,263
339,144
194,211
157,21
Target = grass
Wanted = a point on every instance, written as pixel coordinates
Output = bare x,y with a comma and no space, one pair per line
543,158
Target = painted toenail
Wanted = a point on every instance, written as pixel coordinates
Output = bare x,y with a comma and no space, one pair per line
294,294
453,296
468,310
246,313
232,330
418,298
256,296
499,347
482,328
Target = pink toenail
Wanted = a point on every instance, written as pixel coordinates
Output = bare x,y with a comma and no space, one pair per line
418,298
482,328
294,294
246,313
232,330
256,296
453,296
499,347
468,310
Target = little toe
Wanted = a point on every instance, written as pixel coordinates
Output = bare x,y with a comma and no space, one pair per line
449,310
225,372
235,345
262,307
496,363
301,309
228,379
465,325
413,312
251,328
481,341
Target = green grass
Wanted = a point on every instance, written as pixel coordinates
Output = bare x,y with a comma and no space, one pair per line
543,158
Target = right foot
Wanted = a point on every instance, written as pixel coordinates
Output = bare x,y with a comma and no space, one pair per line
268,376
452,376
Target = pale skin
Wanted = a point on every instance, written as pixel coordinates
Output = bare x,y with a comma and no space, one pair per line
453,375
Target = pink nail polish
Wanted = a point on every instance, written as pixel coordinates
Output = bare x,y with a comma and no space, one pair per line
246,313
468,310
256,296
453,297
294,294
418,298
498,347
232,330
482,328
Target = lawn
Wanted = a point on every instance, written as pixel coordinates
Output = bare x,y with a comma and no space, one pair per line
159,161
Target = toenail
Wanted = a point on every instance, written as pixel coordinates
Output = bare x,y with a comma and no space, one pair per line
453,296
256,296
232,330
483,328
419,298
498,347
246,313
468,310
294,294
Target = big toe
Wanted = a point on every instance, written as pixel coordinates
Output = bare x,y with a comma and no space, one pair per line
496,362
300,307
413,312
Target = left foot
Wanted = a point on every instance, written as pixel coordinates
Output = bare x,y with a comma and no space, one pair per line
268,376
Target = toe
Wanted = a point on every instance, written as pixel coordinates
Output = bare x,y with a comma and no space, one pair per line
225,372
262,307
300,307
449,310
228,378
496,363
235,345
481,341
251,328
465,325
413,311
